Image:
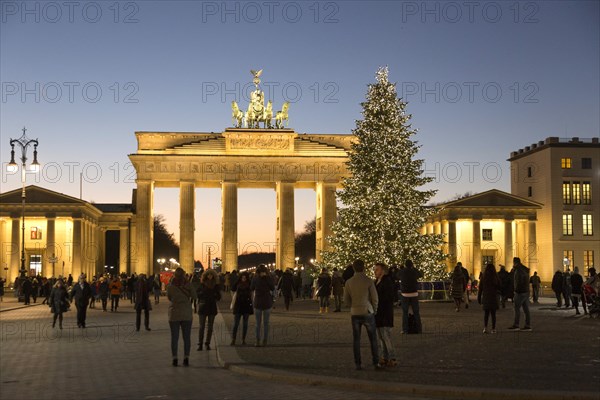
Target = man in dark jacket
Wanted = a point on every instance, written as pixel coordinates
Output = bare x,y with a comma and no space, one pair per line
384,318
504,285
81,293
142,302
521,299
348,273
409,289
26,288
566,288
535,286
557,287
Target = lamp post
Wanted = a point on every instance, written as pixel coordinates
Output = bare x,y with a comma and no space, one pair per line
23,142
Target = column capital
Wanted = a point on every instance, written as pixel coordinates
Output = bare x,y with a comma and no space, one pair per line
50,215
509,218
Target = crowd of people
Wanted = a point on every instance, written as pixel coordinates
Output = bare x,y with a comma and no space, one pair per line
371,302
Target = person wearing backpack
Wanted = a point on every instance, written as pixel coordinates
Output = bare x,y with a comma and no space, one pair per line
521,299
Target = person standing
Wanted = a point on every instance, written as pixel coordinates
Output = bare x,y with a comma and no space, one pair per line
94,288
181,295
156,288
81,293
324,290
103,291
298,284
58,302
467,279
535,286
487,296
262,286
384,317
409,288
577,291
567,288
69,280
504,277
26,287
286,287
337,286
242,307
557,287
131,288
2,282
458,286
209,294
115,293
360,295
142,302
521,297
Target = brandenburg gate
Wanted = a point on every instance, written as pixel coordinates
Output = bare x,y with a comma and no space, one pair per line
244,156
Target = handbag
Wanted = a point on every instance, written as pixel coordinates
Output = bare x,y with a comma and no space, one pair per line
233,299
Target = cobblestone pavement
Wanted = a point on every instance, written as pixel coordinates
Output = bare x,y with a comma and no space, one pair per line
110,360
561,354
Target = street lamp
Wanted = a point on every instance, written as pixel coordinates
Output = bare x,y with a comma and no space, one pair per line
23,142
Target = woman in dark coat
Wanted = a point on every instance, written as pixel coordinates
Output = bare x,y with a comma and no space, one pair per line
208,295
286,285
384,318
324,290
58,302
242,307
458,286
489,288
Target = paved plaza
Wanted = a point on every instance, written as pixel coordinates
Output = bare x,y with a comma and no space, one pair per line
110,360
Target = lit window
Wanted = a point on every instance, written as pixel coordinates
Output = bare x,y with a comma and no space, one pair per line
565,163
586,193
567,258
36,233
567,222
586,163
566,190
588,259
576,193
486,234
587,225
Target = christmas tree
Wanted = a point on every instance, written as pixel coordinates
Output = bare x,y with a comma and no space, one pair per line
384,206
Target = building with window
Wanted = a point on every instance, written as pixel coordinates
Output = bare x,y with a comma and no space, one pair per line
63,235
489,227
564,176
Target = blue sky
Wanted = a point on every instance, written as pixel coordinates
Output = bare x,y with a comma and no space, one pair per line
482,80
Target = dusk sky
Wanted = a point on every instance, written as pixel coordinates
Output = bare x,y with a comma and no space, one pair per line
482,79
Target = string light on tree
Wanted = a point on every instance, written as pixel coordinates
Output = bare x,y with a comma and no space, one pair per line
383,203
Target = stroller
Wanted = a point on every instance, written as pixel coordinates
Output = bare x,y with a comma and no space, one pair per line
592,300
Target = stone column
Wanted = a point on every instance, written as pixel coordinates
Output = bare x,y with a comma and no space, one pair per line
229,226
532,256
145,227
520,242
187,202
100,234
51,250
437,227
285,252
508,242
476,246
123,250
15,248
76,266
326,215
452,248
